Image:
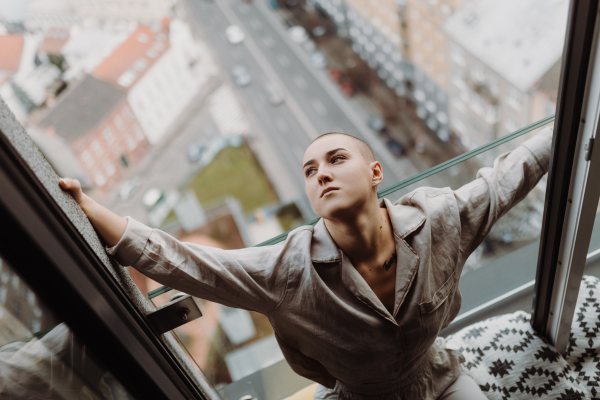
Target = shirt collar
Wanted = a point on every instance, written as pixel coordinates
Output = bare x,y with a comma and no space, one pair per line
405,219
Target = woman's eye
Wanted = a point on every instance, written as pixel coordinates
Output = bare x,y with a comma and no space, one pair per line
337,157
308,171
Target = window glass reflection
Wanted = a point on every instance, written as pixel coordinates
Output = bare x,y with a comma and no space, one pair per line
40,358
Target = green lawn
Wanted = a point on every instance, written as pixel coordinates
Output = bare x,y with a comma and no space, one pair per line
234,171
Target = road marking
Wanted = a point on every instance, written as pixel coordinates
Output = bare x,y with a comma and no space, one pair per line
256,24
306,124
281,124
283,60
319,107
300,82
268,41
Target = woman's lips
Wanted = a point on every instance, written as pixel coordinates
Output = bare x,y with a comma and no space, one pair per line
328,190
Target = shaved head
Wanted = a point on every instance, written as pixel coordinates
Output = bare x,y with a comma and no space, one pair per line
363,146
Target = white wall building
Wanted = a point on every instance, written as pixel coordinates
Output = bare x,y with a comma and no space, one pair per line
504,65
162,69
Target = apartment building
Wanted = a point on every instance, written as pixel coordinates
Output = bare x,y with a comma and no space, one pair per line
379,32
97,122
160,68
504,65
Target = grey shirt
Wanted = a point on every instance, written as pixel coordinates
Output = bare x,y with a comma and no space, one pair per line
330,325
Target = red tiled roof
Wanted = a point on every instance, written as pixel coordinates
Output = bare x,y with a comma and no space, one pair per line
54,40
134,57
11,47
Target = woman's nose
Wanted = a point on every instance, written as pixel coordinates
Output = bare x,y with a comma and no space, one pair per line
323,176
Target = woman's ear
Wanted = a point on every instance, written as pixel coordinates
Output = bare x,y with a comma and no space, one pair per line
376,172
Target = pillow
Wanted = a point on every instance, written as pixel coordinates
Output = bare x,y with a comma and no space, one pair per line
583,353
508,360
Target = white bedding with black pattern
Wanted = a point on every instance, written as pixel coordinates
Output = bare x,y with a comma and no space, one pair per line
510,361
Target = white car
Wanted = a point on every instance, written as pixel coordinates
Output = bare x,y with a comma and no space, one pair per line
274,97
234,34
153,197
298,34
128,188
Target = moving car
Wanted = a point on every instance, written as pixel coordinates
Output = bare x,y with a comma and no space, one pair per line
234,34
241,76
298,34
318,60
274,96
128,188
153,197
376,123
195,151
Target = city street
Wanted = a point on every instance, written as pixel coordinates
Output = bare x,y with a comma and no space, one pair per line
311,107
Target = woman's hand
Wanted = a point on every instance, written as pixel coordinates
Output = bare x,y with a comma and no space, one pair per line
74,187
109,225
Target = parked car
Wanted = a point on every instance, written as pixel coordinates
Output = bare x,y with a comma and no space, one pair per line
234,34
153,197
241,76
195,151
128,188
395,147
318,60
376,123
298,34
274,96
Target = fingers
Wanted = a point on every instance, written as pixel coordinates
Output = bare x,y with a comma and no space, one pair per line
70,184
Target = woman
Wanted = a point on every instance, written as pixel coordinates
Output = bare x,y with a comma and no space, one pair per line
357,301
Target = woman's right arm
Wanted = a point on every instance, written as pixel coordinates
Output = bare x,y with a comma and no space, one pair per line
109,225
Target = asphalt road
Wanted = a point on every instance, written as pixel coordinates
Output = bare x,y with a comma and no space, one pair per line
310,108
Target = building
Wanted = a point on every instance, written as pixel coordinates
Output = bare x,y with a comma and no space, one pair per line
161,68
49,14
142,11
504,65
378,33
25,75
96,121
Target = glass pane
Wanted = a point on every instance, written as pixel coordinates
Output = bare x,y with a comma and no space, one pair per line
592,266
40,358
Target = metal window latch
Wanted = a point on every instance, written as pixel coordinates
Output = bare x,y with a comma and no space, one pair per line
588,149
180,310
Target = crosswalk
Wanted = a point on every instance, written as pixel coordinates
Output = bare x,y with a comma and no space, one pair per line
227,112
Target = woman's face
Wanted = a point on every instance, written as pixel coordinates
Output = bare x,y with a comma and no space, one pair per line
338,178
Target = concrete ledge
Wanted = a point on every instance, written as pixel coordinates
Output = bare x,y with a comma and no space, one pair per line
38,164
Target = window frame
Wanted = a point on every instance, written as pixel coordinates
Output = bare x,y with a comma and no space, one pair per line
67,275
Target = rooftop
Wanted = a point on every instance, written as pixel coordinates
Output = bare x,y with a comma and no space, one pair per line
54,40
128,63
11,48
82,108
519,39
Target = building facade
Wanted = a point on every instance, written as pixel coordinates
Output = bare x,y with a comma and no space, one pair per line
103,132
161,68
504,66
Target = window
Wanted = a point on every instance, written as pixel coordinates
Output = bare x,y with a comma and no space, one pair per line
119,122
108,135
514,98
109,168
96,147
87,159
139,133
476,102
131,143
99,179
457,54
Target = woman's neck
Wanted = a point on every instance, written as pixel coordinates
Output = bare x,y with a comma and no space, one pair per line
364,238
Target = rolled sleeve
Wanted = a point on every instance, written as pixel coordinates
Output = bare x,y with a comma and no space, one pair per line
497,189
132,243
